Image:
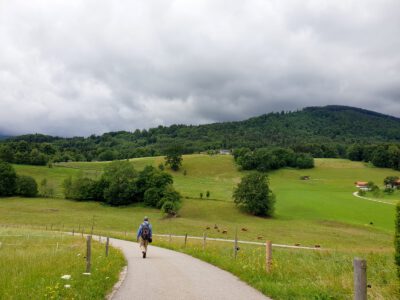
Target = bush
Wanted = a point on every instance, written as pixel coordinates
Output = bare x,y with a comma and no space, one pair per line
152,196
254,196
397,240
26,186
82,189
121,183
304,161
8,179
169,208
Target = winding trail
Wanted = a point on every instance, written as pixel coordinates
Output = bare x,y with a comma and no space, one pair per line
355,194
167,274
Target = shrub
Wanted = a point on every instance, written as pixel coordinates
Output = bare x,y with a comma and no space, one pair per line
254,196
121,183
82,189
152,196
362,193
169,208
26,186
8,179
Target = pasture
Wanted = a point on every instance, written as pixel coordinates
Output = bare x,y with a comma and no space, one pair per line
319,211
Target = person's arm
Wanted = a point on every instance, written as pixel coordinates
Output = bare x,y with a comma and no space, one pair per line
139,233
151,231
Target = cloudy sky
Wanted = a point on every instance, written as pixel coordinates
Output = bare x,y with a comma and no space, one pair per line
91,66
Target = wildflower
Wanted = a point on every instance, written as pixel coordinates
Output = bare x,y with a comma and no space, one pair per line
66,277
88,274
67,286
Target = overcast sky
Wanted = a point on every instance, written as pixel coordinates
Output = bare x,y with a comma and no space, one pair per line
81,67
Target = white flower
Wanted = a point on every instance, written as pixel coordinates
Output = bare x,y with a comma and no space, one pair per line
88,274
67,286
78,254
66,277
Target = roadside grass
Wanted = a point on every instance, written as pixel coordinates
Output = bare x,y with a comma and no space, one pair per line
32,263
296,274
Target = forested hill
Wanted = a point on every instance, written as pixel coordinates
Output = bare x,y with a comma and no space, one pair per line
322,131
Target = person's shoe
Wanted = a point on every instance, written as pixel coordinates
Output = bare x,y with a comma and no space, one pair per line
144,254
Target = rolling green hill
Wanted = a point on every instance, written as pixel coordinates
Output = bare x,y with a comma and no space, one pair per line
323,131
320,211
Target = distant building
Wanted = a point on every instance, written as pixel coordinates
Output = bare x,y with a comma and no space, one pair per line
224,152
362,185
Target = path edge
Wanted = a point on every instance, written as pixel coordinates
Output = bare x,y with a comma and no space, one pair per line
116,287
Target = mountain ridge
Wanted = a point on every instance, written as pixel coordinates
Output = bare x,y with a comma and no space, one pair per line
329,128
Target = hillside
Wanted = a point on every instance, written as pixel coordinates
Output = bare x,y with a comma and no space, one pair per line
330,129
320,211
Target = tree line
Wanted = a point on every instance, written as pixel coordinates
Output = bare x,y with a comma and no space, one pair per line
266,159
322,132
120,184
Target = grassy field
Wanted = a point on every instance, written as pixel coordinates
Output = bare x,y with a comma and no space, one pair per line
320,211
296,274
32,263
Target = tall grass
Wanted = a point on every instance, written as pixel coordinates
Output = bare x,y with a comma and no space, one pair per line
32,263
297,274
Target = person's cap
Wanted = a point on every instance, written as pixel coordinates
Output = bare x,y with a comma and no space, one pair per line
146,218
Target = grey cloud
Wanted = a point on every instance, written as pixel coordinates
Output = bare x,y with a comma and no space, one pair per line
83,67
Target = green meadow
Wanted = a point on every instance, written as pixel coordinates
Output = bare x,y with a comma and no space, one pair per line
319,211
33,262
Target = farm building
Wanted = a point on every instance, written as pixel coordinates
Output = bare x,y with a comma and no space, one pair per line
362,185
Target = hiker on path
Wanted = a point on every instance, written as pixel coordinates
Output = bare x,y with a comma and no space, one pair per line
144,235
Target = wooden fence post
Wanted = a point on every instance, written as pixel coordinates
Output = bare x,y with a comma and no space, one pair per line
83,229
107,244
185,239
204,240
360,279
236,243
170,238
88,253
73,231
268,256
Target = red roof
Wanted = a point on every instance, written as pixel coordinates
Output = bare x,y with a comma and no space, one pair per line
361,183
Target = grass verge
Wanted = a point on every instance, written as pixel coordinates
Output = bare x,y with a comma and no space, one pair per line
32,263
297,274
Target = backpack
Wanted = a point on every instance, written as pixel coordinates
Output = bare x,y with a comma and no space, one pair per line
145,231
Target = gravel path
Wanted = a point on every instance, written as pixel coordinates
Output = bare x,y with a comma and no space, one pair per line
355,194
167,274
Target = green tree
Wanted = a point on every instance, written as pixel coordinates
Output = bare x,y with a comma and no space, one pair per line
8,179
120,178
304,161
254,195
26,186
173,157
208,194
390,181
152,196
